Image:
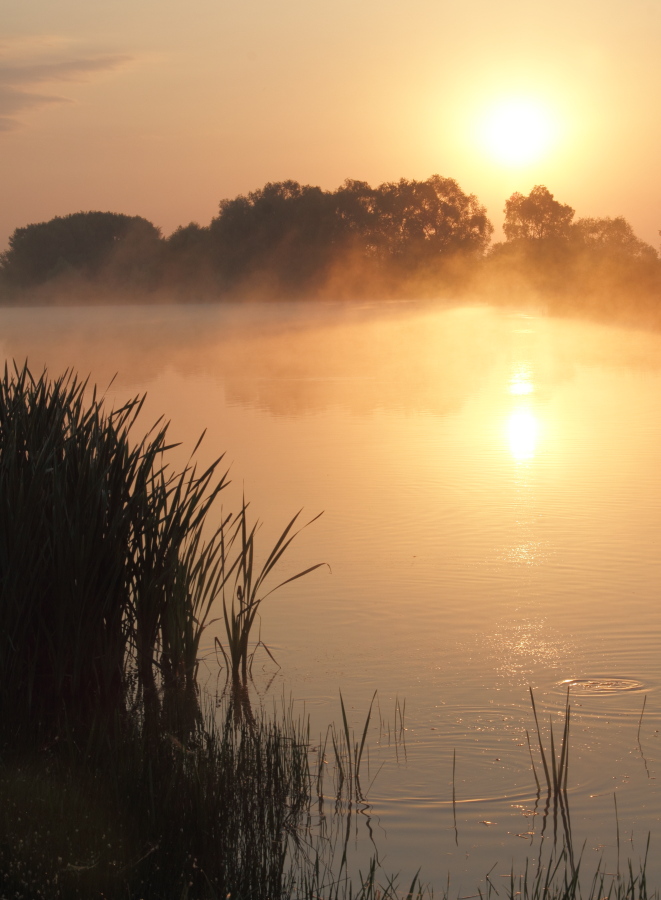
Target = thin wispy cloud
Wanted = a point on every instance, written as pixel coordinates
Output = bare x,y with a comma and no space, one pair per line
20,77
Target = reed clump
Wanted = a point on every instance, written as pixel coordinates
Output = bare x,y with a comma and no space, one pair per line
114,780
106,580
109,566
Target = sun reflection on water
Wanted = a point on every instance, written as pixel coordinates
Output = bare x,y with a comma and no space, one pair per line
522,646
522,430
528,553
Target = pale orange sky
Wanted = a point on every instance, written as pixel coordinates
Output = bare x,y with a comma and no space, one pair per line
161,109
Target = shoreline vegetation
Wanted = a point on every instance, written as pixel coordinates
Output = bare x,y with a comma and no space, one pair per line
119,776
407,239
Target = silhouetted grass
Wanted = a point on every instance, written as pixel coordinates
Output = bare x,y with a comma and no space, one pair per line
246,585
106,579
557,876
109,565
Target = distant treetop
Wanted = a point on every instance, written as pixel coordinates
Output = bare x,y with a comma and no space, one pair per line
81,243
537,216
296,232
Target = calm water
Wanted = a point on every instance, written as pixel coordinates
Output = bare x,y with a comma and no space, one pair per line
491,490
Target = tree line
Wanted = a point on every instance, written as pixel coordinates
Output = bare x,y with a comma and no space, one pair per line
289,240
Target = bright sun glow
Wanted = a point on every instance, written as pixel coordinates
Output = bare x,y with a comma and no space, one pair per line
517,131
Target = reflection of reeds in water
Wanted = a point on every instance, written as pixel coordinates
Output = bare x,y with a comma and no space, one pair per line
640,746
350,752
157,819
556,876
347,792
555,872
348,758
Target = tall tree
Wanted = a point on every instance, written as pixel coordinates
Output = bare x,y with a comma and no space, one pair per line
84,243
611,236
430,218
294,233
536,217
284,228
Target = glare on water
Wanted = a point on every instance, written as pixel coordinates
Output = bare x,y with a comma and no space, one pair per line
492,513
522,428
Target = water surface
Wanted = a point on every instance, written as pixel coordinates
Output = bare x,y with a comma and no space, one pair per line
491,490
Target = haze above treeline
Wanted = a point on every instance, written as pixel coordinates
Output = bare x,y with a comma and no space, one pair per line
404,239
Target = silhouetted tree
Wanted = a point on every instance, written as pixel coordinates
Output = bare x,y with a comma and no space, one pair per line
612,268
424,219
610,236
285,229
83,243
594,264
187,259
295,233
356,209
284,238
537,216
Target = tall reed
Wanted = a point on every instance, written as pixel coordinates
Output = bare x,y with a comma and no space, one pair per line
556,774
109,566
556,771
244,585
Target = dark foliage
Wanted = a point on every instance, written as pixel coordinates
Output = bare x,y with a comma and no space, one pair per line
592,265
294,236
115,780
186,262
287,240
89,244
286,230
536,217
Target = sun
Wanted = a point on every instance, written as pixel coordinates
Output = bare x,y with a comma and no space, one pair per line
517,131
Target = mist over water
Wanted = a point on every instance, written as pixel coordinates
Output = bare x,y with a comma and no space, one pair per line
492,512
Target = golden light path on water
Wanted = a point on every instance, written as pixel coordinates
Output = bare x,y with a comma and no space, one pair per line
529,639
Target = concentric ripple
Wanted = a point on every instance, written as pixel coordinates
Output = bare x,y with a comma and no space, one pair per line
601,685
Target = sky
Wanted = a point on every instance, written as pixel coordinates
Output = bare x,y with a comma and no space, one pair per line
162,109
